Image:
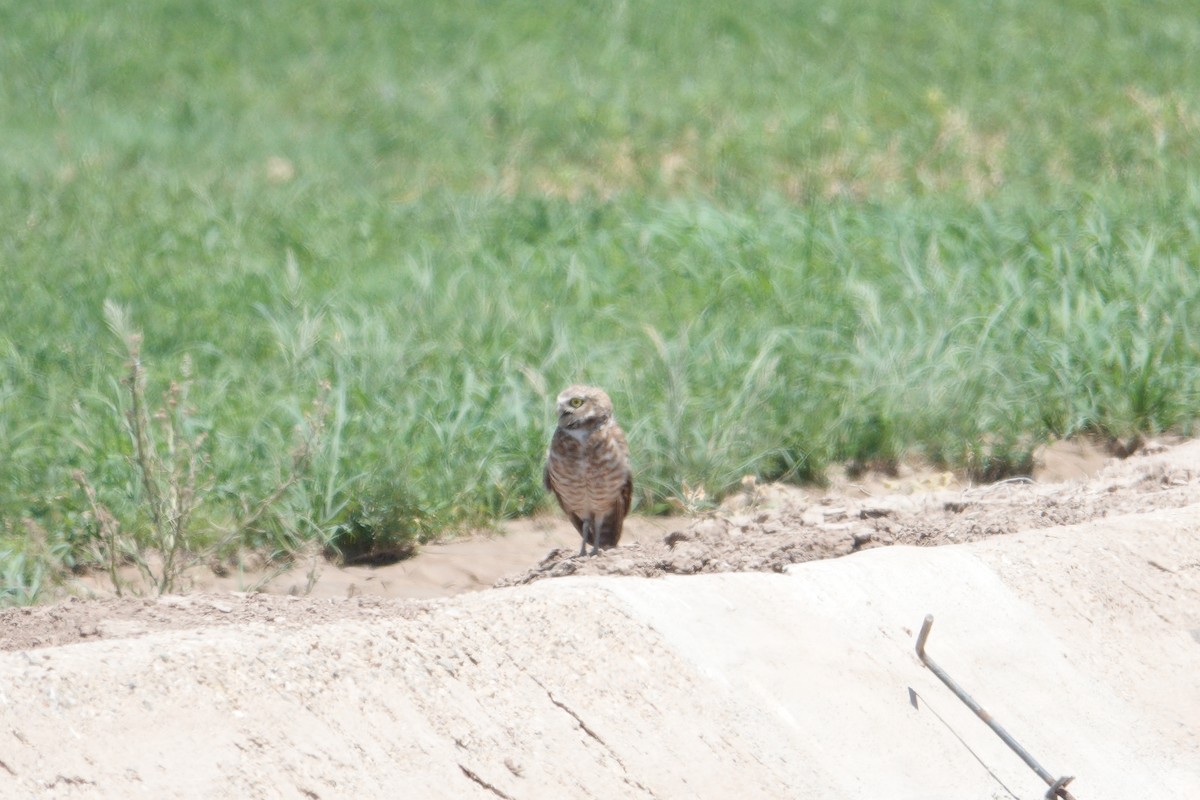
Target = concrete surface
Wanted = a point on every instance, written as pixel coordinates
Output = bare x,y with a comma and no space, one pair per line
1083,641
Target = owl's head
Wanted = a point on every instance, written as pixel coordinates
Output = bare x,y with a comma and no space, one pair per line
583,407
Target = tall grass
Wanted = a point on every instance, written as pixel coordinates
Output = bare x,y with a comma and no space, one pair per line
802,234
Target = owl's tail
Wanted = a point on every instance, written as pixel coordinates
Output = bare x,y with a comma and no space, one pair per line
609,530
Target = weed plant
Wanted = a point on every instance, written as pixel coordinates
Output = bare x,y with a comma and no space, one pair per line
800,234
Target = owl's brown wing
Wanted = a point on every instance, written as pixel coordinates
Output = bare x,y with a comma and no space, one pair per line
626,496
611,525
549,484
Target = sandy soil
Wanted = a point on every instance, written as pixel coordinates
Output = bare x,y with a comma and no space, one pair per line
477,562
778,681
763,529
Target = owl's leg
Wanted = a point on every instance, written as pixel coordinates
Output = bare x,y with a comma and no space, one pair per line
595,535
586,533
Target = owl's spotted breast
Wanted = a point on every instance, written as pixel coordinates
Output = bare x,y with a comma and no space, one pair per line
587,475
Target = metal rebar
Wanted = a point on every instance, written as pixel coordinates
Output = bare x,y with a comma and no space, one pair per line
1057,785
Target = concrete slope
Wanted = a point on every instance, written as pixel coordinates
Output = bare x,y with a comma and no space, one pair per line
1084,642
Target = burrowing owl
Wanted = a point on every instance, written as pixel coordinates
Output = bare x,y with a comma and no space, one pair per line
587,467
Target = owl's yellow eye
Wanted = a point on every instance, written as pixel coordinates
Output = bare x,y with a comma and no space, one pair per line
576,402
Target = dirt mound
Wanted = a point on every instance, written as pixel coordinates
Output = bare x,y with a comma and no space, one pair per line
767,529
762,529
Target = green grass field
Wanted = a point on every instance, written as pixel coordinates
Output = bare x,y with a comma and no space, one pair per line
799,234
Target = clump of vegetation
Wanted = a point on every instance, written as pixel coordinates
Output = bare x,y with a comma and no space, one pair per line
170,526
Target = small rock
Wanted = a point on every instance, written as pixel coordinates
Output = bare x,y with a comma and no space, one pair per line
709,528
737,502
741,521
835,513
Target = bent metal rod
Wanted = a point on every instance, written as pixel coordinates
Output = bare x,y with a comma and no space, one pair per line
1058,786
